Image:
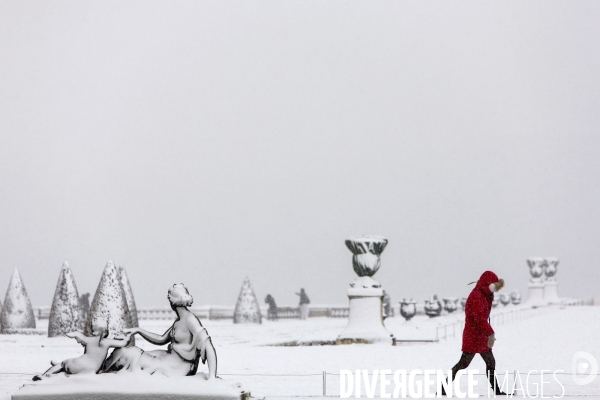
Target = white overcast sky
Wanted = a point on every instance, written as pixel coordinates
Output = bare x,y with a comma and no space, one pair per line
202,142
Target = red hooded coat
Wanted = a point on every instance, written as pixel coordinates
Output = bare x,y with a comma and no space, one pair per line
477,312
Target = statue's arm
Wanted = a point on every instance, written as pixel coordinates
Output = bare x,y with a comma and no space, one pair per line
80,337
116,343
152,337
201,341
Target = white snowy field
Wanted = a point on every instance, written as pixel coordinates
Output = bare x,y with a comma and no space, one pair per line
245,353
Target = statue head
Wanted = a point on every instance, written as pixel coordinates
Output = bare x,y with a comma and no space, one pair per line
99,328
179,296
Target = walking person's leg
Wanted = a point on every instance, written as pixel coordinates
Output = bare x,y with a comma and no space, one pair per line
464,362
490,370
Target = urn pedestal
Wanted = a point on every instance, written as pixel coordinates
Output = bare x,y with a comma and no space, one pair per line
551,293
551,285
365,322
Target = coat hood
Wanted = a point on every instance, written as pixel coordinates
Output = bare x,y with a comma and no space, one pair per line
486,279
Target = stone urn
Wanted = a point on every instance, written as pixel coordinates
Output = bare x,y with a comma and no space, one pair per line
515,297
366,252
408,308
536,269
450,304
550,268
433,307
505,299
365,321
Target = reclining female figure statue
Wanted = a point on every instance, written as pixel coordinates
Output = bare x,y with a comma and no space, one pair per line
188,341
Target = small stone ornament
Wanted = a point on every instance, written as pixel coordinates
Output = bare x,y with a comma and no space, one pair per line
450,304
408,309
433,307
515,297
505,299
496,300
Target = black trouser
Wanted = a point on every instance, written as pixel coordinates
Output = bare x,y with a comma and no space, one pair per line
490,366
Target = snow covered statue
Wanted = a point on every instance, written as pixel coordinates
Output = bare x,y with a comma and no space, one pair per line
189,343
365,322
96,349
130,372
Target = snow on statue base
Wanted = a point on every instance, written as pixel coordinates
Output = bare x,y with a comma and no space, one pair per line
365,322
551,292
129,386
536,294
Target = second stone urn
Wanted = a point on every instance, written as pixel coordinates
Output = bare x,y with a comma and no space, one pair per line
408,309
433,307
536,284
365,322
515,297
551,285
450,304
505,299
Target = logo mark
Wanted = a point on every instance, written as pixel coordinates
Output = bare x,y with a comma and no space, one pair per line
585,368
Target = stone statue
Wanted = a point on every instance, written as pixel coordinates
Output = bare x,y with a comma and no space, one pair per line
132,373
96,348
189,343
387,306
272,311
304,302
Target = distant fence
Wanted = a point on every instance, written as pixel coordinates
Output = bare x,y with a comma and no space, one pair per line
226,312
223,312
500,316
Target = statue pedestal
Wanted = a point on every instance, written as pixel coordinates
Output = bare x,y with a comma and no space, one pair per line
536,294
365,323
551,292
128,386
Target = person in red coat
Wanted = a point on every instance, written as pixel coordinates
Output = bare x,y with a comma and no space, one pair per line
478,335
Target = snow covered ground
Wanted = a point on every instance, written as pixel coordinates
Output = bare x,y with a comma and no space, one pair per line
246,353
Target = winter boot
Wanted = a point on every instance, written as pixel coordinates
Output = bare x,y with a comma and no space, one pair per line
444,390
494,384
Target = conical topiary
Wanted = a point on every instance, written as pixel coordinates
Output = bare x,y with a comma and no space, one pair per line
246,308
66,314
17,312
109,303
129,297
